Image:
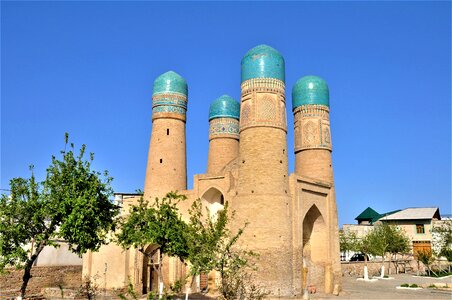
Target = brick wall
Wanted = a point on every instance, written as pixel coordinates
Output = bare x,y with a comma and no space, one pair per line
374,268
53,276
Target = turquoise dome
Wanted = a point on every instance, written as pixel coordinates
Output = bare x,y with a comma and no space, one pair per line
310,90
263,62
224,107
170,82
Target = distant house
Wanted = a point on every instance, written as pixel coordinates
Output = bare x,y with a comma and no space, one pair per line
416,222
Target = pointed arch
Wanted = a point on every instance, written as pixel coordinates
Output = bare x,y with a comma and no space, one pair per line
315,235
315,246
213,198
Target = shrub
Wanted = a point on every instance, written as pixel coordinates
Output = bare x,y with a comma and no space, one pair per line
151,295
448,254
177,286
130,292
89,288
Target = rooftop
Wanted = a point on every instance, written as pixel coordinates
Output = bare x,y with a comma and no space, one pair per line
367,214
414,213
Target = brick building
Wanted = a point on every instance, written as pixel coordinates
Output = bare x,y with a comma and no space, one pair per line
292,217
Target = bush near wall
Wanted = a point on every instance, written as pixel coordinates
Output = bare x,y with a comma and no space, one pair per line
42,277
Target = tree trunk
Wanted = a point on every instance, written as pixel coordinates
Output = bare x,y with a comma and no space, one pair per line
395,261
223,282
160,274
366,273
418,266
28,266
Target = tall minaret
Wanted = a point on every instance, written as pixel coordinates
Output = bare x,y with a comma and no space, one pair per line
167,163
262,190
310,100
224,116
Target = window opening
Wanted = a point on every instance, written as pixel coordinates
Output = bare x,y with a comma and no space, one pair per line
420,228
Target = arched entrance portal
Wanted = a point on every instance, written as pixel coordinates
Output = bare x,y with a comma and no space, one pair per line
213,199
150,269
315,247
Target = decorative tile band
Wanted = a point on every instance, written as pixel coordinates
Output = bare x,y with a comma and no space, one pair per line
312,128
173,99
169,109
224,128
169,105
313,110
263,104
263,85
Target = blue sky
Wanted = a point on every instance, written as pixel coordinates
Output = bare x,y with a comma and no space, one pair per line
87,68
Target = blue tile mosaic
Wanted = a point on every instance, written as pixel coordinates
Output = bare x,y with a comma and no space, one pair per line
224,107
170,82
263,62
168,109
169,101
310,90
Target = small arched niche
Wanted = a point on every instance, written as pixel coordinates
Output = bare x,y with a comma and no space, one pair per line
213,199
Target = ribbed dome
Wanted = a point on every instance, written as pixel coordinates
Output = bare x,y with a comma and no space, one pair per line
263,62
224,107
170,82
310,90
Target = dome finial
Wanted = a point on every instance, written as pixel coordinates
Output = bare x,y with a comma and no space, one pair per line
310,90
170,82
224,107
263,62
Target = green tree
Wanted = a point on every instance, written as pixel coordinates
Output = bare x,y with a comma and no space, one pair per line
72,203
158,224
362,245
442,235
212,246
205,235
386,238
348,241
